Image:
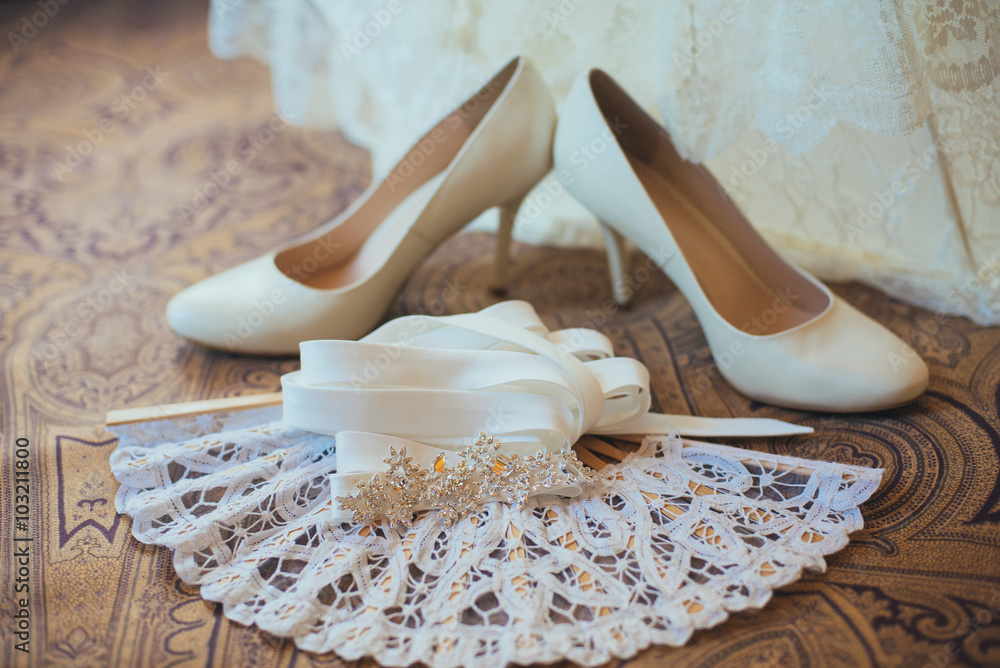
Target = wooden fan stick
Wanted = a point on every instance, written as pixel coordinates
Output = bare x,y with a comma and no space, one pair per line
589,458
588,445
585,448
602,447
191,408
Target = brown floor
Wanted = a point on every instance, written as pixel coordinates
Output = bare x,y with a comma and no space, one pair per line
92,246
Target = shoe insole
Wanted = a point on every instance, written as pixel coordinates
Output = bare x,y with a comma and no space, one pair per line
377,248
738,292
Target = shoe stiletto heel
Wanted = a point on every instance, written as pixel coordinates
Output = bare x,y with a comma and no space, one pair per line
505,230
338,282
777,334
614,243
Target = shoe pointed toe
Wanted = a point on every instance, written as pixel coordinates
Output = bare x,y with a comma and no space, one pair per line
869,368
185,313
237,310
879,367
841,361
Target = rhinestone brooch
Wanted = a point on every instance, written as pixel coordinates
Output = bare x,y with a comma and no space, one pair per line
483,474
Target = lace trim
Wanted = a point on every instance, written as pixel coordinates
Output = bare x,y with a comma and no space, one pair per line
669,541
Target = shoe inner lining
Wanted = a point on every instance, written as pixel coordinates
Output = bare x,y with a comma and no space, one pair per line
379,246
352,247
738,292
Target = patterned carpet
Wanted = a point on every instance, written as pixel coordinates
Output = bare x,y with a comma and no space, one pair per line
116,130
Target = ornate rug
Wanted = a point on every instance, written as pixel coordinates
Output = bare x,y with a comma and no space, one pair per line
133,163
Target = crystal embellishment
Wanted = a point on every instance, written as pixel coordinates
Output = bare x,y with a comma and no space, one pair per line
483,474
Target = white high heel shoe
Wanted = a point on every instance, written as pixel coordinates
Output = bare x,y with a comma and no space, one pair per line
776,333
338,282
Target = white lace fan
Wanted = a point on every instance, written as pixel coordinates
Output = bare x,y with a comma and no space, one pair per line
668,541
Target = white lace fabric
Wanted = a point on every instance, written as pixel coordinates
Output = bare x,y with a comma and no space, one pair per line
859,136
669,541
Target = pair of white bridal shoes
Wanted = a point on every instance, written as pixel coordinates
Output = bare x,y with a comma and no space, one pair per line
338,282
776,333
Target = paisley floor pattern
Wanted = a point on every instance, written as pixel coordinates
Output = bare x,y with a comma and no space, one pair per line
133,163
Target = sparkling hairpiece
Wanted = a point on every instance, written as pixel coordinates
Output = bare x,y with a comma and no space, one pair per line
482,475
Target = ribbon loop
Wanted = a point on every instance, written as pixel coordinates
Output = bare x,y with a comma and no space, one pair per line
431,383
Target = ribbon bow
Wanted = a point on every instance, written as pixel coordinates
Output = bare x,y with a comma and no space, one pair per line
430,384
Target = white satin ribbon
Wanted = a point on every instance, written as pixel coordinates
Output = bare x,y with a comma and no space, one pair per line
433,383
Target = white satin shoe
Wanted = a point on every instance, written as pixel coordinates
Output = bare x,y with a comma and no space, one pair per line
776,333
338,282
